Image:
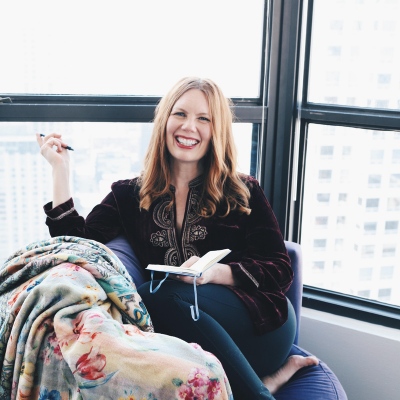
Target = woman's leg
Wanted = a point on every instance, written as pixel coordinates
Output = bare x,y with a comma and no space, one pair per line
225,329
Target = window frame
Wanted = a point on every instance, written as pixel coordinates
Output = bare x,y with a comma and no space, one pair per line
280,117
307,113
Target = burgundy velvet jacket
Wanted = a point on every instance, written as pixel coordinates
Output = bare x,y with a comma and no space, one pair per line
258,259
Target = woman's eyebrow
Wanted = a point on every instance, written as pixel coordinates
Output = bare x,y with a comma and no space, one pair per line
182,109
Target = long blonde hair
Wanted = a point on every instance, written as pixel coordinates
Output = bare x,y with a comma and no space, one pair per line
223,186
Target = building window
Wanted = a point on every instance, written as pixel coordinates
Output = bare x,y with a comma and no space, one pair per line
389,251
327,151
323,197
391,227
387,272
342,197
321,221
396,156
319,244
346,151
374,180
370,228
339,243
367,251
365,274
325,175
394,180
393,204
376,156
341,220
318,266
372,204
384,294
364,293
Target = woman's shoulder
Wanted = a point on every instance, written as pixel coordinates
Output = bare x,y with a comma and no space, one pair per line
249,181
126,184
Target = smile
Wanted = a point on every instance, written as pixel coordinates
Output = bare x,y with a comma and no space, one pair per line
186,142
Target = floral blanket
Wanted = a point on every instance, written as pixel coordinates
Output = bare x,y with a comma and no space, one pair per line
74,327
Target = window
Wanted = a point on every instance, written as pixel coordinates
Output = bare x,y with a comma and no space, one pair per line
339,113
341,34
133,48
387,272
396,156
365,274
318,265
321,221
395,180
377,156
385,294
389,251
370,228
374,180
323,197
367,251
342,197
325,175
327,151
319,244
115,158
391,227
372,204
122,75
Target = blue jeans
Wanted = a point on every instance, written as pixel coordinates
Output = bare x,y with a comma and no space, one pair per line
224,329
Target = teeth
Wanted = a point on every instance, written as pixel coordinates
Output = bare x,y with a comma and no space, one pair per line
187,142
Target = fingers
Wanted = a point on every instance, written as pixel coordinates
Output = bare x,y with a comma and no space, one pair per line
50,141
188,263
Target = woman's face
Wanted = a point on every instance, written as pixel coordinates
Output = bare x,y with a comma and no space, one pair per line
188,131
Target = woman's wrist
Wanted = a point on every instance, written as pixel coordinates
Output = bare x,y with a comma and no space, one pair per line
222,275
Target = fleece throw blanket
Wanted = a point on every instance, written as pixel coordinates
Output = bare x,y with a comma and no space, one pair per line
74,327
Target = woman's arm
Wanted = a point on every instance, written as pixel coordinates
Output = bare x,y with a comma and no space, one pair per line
263,264
102,224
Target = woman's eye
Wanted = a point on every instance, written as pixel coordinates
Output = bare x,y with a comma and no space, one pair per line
204,119
179,114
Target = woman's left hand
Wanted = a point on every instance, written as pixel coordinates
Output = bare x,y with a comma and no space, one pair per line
219,274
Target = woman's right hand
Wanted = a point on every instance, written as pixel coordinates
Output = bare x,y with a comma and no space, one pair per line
52,148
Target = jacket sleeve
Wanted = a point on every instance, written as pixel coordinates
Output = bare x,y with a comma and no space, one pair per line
264,264
102,224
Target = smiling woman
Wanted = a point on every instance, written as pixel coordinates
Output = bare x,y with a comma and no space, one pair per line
190,183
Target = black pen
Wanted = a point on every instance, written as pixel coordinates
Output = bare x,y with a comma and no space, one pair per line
64,147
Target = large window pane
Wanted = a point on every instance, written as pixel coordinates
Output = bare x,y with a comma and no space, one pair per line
349,232
355,56
129,47
103,153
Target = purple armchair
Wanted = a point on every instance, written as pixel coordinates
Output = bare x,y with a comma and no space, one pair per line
310,383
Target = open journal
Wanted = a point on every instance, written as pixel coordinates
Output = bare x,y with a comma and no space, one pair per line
201,265
196,270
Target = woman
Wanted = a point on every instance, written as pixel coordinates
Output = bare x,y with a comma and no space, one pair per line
189,200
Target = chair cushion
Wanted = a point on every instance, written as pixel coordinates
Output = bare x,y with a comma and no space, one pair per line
312,383
122,249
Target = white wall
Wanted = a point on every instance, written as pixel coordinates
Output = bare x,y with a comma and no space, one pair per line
365,357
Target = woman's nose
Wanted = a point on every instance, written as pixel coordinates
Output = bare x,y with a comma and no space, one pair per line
189,124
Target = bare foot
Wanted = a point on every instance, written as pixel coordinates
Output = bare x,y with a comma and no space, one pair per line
275,381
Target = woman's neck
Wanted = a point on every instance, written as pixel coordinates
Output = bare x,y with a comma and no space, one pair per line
181,175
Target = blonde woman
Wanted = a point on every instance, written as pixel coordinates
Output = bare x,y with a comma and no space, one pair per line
189,200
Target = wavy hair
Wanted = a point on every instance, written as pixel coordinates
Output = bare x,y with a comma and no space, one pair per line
223,187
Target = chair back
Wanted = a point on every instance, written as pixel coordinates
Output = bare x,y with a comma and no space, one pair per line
295,293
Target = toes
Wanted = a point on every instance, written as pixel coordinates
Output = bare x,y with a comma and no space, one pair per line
300,361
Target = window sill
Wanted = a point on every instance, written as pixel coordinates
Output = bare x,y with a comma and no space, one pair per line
351,307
